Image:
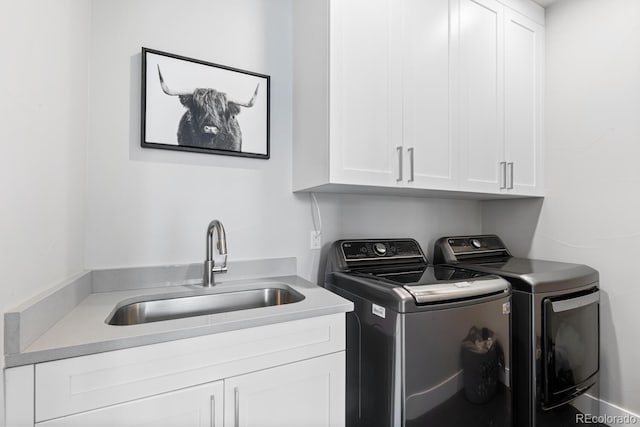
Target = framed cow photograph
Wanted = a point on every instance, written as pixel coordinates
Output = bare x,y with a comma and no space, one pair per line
198,106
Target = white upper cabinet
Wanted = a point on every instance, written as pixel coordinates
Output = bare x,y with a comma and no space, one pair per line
481,104
426,95
523,87
418,97
364,100
500,71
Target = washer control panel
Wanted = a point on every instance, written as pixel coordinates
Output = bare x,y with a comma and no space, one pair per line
356,250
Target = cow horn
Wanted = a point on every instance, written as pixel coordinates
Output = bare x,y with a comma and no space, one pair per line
251,101
166,89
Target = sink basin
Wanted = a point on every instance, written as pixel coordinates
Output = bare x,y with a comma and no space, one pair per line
165,307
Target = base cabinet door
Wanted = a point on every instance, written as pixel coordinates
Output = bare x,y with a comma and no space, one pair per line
200,406
310,393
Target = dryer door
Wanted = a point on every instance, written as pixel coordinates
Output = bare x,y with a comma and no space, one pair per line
571,346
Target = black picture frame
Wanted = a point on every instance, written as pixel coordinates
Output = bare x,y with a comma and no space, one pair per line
212,108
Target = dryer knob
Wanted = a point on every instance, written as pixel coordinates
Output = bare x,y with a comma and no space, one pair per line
476,243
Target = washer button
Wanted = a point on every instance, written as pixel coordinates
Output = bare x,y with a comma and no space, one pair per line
476,243
380,249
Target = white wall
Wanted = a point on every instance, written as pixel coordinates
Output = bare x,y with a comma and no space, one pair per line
426,220
149,207
352,216
590,213
43,110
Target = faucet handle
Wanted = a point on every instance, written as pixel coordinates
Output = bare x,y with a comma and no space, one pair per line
222,268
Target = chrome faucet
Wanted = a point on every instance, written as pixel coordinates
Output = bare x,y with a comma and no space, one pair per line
210,268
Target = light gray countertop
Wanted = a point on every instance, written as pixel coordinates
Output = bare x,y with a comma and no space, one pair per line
82,329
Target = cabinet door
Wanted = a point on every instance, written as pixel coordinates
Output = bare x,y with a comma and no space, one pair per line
365,97
200,406
310,393
427,139
480,68
524,42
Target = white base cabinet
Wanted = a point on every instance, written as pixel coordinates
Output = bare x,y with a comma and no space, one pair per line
193,407
285,374
308,393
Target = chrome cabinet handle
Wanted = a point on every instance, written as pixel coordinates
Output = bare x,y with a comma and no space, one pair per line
237,408
503,175
410,150
399,164
510,166
213,411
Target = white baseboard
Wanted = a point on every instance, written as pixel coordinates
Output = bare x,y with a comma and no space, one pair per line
610,414
612,410
586,404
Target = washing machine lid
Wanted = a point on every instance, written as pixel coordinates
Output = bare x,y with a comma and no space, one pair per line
431,285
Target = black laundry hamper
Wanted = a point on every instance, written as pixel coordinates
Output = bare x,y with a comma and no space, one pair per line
480,364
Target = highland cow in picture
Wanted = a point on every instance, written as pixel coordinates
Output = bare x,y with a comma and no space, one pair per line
210,119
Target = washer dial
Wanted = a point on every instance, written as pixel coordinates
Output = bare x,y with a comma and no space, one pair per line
380,249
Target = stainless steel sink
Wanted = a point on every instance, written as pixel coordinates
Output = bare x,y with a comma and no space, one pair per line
176,307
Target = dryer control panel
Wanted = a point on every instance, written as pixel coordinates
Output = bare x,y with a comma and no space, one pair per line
475,244
450,250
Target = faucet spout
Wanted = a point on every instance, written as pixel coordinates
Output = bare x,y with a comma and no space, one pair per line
210,267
